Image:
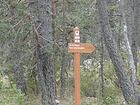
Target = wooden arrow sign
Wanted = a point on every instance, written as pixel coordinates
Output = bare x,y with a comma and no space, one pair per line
81,48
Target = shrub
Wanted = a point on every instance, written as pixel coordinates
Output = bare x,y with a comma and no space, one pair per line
11,96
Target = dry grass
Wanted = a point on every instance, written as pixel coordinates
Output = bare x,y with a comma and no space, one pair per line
33,100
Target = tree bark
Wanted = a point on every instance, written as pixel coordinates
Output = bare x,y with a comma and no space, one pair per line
41,13
125,83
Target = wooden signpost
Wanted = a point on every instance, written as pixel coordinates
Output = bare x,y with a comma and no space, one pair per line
78,48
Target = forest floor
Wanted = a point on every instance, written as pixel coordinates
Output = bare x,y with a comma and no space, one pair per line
13,97
84,101
65,101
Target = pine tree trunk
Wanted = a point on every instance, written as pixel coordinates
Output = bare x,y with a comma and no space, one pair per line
41,13
102,67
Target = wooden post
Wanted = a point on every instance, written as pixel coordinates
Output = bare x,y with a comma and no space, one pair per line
77,78
77,67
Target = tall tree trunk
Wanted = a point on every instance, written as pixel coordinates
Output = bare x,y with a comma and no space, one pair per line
64,61
63,75
41,13
125,83
102,67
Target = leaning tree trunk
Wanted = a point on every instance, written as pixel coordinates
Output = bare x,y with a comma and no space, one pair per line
41,14
130,14
125,83
131,8
130,54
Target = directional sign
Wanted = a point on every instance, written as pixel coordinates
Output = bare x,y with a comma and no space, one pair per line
78,48
81,48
